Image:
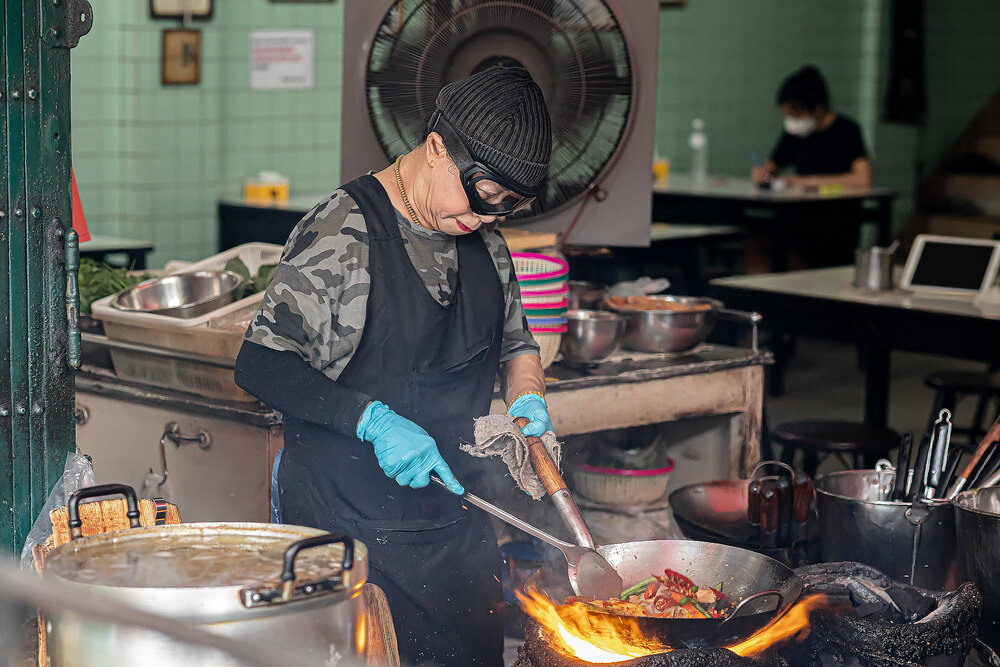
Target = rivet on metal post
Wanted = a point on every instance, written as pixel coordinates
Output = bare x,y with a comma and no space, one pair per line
16,94
36,212
55,32
39,409
19,212
21,410
32,94
4,412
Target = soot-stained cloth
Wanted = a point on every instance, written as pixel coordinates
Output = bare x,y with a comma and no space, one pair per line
498,435
317,303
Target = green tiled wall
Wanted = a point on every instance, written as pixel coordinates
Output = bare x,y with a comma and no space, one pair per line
152,161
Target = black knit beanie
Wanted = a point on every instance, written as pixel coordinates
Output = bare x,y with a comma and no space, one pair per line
501,114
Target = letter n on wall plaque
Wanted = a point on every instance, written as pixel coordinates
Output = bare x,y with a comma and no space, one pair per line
180,62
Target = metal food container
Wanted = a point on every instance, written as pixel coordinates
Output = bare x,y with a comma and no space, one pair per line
249,582
912,542
591,335
670,330
977,520
184,295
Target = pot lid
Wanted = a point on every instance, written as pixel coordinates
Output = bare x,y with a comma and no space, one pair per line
200,555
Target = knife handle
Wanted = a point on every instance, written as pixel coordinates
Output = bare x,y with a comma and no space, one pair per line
802,503
984,444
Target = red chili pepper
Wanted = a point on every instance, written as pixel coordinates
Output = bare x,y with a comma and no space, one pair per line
660,603
651,590
677,582
719,595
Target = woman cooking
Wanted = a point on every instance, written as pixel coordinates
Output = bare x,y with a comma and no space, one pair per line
392,309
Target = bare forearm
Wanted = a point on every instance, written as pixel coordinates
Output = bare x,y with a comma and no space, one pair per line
521,374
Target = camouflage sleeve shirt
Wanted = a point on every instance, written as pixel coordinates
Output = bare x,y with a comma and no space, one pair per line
317,302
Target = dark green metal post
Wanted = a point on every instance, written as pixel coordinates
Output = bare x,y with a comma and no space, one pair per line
36,379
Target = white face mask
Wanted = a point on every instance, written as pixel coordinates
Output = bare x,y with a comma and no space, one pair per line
800,127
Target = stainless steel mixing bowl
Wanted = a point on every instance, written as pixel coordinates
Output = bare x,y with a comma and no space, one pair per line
671,330
591,335
185,295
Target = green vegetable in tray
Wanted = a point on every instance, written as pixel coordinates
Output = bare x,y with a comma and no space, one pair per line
251,284
98,280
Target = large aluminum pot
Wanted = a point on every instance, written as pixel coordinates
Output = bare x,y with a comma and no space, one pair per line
977,520
255,583
911,542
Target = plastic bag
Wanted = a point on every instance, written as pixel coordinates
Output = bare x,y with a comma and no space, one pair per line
640,287
77,474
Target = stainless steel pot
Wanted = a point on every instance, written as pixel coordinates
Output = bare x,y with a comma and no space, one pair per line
256,583
670,330
977,520
912,542
591,335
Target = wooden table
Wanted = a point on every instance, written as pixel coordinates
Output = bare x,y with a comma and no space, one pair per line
821,303
738,201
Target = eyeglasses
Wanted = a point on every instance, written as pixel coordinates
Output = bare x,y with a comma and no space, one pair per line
488,191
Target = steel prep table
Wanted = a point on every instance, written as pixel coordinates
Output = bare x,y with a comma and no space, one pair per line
225,475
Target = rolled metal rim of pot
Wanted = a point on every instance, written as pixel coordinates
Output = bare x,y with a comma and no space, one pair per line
964,501
932,502
222,599
585,315
680,300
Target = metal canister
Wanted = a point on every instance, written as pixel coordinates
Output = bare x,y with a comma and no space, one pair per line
912,542
977,519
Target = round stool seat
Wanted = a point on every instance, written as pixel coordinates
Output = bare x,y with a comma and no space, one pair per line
836,436
965,382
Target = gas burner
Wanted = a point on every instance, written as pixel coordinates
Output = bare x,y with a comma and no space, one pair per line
869,621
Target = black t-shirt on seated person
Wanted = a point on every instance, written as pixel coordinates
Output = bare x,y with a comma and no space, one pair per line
829,151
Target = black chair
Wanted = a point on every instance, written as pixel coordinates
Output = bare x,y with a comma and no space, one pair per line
815,438
951,387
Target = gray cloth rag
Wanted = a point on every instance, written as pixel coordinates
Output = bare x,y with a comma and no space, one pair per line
498,435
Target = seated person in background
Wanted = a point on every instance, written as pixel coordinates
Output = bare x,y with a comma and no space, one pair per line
824,147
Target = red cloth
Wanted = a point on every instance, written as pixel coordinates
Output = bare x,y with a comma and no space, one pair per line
79,221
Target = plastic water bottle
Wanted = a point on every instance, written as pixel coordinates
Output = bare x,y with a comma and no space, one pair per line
698,141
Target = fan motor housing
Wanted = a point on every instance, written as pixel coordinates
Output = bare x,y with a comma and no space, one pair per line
395,61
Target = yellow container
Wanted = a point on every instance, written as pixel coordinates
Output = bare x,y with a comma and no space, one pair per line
258,191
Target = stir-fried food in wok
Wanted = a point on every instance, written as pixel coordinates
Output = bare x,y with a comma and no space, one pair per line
671,595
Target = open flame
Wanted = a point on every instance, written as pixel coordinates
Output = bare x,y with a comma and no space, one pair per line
605,638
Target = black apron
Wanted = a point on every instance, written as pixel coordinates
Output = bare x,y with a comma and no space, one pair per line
437,562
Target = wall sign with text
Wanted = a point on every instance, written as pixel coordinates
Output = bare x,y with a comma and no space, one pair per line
281,59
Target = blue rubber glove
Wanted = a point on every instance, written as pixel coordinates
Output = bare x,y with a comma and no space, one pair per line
405,452
532,406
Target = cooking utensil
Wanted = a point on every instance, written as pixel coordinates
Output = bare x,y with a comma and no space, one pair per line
949,475
756,587
591,335
803,497
961,482
988,467
589,573
253,581
769,502
937,461
670,330
916,486
909,541
902,467
184,295
555,486
873,267
977,520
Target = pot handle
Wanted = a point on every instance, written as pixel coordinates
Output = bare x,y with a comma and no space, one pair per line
755,596
76,525
288,571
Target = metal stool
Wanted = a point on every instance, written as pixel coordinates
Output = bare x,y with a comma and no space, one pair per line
950,387
864,443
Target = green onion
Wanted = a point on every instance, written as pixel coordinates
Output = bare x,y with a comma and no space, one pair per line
632,590
700,608
694,589
718,587
684,601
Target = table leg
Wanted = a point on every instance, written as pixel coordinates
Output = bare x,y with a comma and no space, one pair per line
877,362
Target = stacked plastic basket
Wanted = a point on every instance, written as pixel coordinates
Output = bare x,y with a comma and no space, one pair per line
544,295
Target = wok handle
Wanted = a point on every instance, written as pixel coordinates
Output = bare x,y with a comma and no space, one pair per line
555,486
750,598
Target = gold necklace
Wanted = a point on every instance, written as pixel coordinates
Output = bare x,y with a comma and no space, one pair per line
406,200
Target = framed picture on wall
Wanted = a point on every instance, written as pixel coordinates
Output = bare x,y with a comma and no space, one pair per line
180,9
180,60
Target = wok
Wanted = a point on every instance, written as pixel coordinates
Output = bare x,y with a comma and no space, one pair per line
757,588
